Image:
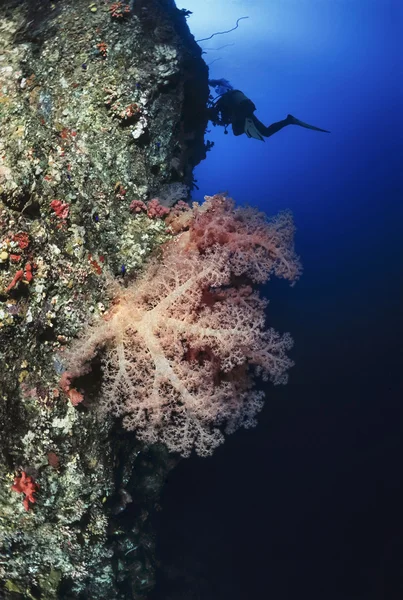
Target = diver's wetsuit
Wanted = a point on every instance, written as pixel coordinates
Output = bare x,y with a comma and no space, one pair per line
235,108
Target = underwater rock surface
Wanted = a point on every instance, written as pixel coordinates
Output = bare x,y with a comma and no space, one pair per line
102,109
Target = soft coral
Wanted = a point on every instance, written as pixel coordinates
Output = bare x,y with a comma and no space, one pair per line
24,484
180,345
259,246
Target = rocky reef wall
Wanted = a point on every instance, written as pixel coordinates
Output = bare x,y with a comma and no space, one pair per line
102,109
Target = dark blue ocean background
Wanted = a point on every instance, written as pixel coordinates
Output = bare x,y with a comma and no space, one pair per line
308,504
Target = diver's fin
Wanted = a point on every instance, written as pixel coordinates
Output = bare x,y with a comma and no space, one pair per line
251,130
293,121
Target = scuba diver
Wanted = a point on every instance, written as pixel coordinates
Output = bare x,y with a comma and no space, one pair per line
232,107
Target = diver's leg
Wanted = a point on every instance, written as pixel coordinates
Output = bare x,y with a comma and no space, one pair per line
271,129
274,127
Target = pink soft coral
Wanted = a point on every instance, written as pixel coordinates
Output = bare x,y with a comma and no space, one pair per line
258,246
181,345
27,486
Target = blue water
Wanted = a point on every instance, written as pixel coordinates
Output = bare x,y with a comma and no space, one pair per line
307,504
